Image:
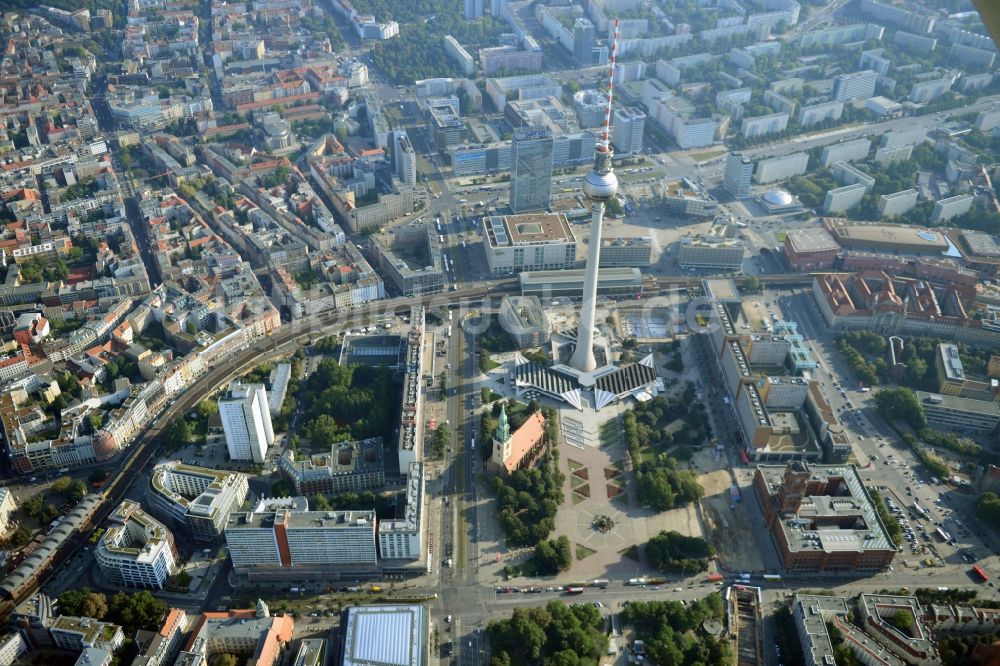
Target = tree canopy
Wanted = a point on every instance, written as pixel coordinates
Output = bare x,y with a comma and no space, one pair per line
133,611
348,402
418,51
902,405
553,556
527,503
660,485
672,633
988,508
553,635
672,551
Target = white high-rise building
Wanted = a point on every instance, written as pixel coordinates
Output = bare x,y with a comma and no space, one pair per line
405,158
855,85
738,175
626,130
246,421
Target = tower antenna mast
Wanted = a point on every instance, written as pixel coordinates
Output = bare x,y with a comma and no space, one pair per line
606,133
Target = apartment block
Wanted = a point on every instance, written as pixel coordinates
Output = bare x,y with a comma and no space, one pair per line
923,92
137,550
973,57
814,114
899,16
888,155
945,209
768,350
197,499
402,538
7,507
846,151
289,541
897,203
773,123
509,59
349,467
843,198
784,393
846,174
853,86
461,57
782,167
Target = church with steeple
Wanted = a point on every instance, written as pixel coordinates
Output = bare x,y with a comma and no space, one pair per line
519,449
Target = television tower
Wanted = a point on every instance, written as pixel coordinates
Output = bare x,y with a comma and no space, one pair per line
599,186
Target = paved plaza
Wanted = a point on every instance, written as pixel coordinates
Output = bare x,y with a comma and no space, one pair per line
599,483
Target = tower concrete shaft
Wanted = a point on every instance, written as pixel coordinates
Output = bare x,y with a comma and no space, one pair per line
600,185
583,356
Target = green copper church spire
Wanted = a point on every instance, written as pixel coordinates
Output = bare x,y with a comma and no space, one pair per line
502,433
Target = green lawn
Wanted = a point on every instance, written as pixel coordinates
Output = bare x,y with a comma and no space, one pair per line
706,155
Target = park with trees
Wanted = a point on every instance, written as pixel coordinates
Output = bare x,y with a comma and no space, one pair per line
672,551
344,403
550,635
865,353
660,483
527,502
45,505
672,631
131,610
418,51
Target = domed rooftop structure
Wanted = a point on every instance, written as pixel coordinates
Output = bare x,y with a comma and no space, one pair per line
779,198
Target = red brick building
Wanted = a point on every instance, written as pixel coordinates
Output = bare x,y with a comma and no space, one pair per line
810,249
822,518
